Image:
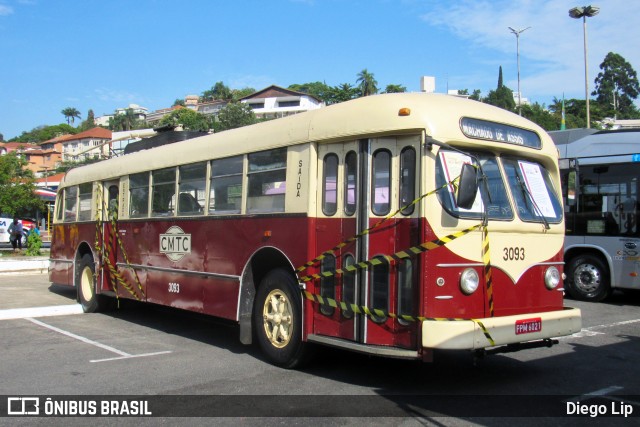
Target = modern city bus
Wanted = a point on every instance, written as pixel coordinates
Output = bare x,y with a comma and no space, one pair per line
600,175
395,225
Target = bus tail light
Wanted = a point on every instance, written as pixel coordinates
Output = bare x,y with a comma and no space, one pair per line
551,278
469,281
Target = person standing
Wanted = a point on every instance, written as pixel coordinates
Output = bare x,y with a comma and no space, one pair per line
15,234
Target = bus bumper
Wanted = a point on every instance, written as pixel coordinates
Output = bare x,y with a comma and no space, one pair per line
495,331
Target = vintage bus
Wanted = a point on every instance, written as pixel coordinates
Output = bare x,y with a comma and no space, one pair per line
347,226
600,175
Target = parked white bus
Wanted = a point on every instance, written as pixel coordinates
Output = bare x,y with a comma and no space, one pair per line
600,175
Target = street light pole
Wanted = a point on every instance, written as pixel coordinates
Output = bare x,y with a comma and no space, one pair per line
577,13
517,33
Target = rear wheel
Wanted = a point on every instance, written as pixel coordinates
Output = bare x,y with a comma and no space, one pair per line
86,286
277,317
588,278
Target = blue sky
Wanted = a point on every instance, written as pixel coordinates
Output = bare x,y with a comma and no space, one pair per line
104,55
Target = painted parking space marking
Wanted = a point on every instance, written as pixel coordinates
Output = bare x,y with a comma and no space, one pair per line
593,330
54,310
122,354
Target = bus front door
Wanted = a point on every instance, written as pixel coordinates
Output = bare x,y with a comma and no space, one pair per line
363,187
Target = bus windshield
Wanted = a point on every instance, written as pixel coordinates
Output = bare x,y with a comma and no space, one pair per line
528,181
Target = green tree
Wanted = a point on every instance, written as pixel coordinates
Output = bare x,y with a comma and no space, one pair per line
318,89
475,95
188,119
44,133
234,115
343,92
219,91
17,185
540,115
90,123
70,114
395,89
367,83
501,97
238,94
617,86
179,102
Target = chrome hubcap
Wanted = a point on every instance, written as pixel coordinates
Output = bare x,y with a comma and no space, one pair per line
587,278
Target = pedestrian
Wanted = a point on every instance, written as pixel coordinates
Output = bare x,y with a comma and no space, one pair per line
15,234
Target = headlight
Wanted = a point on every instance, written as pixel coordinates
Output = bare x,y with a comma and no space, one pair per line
469,281
551,278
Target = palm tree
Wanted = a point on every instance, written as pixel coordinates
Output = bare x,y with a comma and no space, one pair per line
367,83
70,114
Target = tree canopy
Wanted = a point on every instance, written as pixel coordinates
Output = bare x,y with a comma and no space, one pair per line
17,185
234,115
188,119
70,114
367,83
617,87
44,133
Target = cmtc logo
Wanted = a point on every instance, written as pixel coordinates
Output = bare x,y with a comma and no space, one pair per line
175,243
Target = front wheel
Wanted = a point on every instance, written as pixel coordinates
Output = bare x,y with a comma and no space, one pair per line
277,319
588,278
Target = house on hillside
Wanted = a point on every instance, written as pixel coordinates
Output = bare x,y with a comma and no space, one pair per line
91,143
274,102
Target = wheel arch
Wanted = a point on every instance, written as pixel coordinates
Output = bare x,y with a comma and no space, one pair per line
260,263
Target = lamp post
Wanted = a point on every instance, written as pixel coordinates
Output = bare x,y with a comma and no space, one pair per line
577,13
517,33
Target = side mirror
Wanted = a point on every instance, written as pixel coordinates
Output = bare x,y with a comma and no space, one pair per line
467,186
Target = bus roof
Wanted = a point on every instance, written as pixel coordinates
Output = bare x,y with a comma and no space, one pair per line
603,144
370,116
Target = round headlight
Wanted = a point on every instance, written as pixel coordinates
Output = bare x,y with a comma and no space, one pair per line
469,281
551,278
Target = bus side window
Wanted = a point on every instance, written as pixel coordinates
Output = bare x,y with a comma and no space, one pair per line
70,203
85,190
225,196
193,180
164,192
267,181
406,289
139,195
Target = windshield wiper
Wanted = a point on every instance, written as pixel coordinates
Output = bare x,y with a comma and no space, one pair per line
536,209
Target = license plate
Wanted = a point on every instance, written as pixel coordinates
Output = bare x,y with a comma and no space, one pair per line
527,326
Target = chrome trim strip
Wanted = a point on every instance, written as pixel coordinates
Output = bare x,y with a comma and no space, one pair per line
378,350
478,264
178,271
444,297
67,261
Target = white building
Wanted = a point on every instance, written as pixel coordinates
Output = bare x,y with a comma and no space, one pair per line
275,102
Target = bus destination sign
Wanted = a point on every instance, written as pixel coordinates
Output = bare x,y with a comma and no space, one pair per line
490,131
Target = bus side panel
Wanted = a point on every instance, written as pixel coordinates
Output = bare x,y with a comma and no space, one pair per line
62,254
218,246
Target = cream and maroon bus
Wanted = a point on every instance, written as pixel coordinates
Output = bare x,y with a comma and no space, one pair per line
393,225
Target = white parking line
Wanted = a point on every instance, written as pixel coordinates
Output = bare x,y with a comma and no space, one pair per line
593,330
122,354
54,310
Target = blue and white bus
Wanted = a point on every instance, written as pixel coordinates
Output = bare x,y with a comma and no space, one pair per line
600,174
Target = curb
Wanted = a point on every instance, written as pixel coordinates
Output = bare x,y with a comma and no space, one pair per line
38,265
